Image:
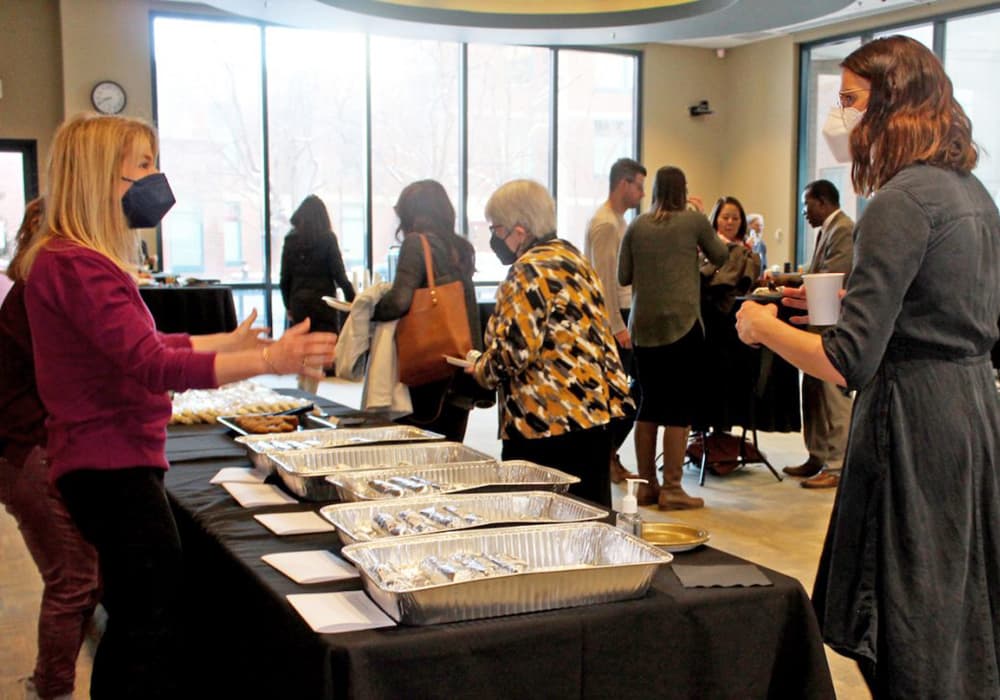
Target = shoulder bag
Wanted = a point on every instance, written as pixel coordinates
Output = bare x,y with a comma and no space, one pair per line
436,325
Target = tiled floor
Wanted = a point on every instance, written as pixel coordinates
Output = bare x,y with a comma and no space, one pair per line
748,513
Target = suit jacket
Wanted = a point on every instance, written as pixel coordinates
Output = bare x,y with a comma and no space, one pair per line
835,248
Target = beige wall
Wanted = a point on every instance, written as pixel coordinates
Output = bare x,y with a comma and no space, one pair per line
31,71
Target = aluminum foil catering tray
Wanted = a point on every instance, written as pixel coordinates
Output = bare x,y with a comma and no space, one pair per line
260,446
304,471
367,521
513,475
564,565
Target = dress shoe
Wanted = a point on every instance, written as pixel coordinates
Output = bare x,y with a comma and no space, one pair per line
677,499
823,480
807,468
618,471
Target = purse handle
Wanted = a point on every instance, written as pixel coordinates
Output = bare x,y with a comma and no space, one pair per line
429,267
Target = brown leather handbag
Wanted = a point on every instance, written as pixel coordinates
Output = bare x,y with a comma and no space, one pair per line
436,325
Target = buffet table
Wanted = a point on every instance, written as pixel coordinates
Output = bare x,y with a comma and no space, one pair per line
242,637
196,310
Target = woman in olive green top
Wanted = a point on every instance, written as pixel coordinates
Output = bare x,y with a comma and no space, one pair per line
659,258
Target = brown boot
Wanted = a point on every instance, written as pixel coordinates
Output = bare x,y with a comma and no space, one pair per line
647,494
618,471
810,467
645,452
672,495
677,499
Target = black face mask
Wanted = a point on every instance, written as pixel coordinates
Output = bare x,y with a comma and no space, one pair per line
147,200
505,254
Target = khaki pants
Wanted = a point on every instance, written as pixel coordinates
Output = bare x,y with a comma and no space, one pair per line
826,416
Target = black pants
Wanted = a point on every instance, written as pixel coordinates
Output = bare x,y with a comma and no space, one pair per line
582,453
621,427
124,513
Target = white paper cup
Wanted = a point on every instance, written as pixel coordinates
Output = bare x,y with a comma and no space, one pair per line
823,297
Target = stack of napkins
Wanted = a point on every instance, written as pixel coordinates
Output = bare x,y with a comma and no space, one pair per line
298,523
240,475
314,566
329,613
253,495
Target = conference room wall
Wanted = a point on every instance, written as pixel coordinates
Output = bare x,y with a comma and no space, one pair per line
53,51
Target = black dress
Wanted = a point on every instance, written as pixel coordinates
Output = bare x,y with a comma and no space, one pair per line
909,579
311,268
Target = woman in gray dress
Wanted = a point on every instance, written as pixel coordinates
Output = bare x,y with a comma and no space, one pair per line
908,579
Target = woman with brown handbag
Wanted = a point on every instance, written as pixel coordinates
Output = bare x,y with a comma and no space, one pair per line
424,209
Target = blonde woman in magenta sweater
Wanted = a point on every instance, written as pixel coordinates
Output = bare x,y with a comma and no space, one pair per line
103,372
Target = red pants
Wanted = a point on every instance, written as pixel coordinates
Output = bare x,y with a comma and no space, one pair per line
67,563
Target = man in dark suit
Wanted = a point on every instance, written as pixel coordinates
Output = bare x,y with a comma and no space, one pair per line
826,409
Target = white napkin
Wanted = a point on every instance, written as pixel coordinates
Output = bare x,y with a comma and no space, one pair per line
313,566
238,474
252,495
329,613
298,523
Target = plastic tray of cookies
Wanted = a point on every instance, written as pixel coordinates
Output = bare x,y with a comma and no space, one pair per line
304,472
471,574
366,521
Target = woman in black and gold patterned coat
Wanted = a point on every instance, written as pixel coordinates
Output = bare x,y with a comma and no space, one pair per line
549,347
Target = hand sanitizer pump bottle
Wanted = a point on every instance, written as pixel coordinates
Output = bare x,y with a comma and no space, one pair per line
628,519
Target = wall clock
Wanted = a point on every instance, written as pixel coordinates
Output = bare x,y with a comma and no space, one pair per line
108,97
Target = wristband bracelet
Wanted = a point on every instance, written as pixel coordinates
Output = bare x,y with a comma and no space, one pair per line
265,355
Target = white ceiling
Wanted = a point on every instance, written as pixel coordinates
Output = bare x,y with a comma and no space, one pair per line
706,23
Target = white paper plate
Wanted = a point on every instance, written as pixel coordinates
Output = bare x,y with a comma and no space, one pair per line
338,304
457,361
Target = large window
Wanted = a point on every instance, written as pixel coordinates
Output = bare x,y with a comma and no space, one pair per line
969,53
209,113
255,118
18,186
596,128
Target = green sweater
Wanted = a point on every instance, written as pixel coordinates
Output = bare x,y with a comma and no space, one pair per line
660,260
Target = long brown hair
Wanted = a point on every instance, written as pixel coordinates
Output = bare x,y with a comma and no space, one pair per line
669,192
912,115
82,204
424,207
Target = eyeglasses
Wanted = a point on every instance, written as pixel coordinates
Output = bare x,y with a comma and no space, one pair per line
847,99
494,228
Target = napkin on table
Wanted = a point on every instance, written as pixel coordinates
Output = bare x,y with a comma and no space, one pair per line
314,566
297,523
723,575
241,475
329,613
252,495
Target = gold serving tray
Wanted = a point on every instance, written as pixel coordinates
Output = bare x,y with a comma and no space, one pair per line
674,537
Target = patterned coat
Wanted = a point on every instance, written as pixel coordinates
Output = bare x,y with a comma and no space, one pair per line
549,347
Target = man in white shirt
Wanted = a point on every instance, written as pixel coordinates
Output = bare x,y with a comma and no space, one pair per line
604,236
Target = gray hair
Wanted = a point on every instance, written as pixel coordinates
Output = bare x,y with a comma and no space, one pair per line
524,203
752,217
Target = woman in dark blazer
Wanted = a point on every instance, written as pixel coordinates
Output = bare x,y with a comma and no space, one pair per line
312,267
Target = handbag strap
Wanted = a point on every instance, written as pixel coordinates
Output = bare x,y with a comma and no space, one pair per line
427,262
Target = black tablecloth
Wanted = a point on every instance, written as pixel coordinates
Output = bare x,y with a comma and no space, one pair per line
194,310
243,638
